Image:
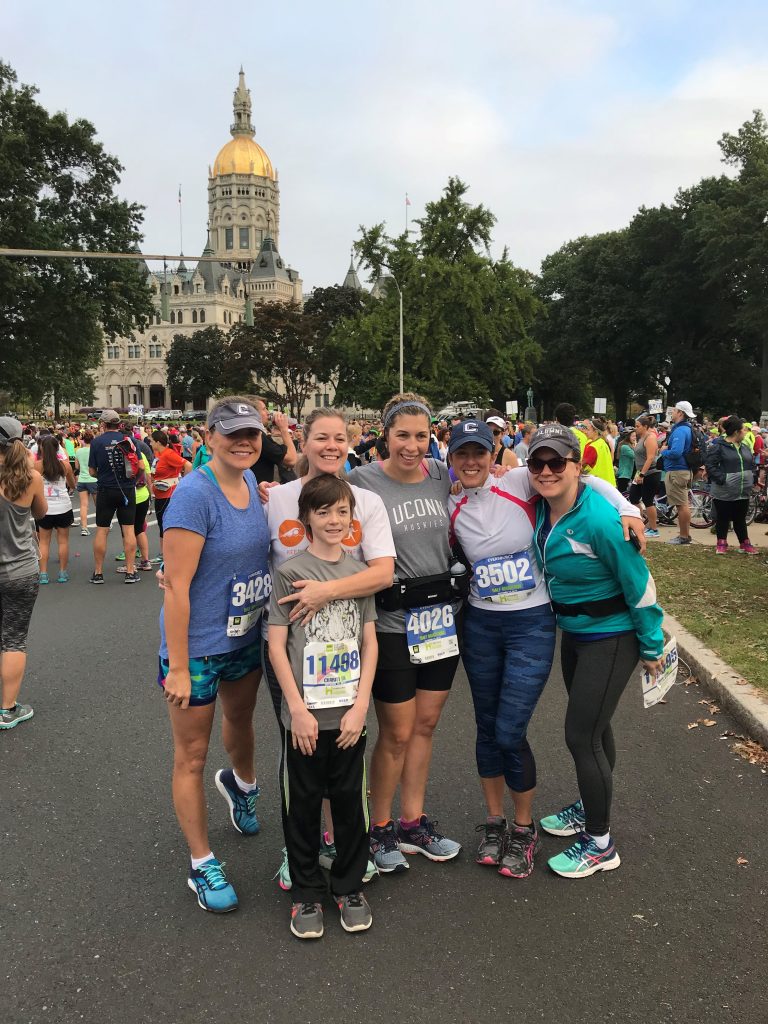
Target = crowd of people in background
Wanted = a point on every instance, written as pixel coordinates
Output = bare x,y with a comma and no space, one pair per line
350,561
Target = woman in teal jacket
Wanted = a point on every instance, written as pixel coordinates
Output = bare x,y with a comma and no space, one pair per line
605,600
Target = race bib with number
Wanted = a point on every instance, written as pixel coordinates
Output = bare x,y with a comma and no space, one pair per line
247,598
431,633
504,578
654,688
331,674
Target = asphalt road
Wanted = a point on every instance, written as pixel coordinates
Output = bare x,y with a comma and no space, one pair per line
97,923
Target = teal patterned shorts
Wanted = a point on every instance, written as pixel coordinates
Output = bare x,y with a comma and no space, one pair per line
207,673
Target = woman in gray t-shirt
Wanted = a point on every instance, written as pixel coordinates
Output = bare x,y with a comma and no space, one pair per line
418,645
21,497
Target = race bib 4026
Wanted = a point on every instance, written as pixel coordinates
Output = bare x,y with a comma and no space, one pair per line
431,633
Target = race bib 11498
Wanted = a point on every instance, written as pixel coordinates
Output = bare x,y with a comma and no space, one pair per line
331,674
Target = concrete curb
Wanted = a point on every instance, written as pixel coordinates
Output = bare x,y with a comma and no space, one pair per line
747,704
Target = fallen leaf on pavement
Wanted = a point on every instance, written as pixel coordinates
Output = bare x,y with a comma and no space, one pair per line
742,861
708,722
693,725
751,751
742,682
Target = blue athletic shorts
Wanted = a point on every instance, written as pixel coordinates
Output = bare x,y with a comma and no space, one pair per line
207,673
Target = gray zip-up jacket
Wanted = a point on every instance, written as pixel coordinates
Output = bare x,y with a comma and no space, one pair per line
730,468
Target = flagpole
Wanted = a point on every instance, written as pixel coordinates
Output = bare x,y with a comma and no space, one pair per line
181,232
407,204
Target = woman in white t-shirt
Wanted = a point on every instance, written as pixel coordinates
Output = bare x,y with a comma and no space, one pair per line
58,480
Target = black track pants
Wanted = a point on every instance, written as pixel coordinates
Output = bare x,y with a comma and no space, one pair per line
304,781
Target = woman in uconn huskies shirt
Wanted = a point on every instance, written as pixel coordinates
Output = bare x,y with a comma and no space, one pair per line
509,635
418,642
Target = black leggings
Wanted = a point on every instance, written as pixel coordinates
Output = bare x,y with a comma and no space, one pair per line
596,674
17,600
725,511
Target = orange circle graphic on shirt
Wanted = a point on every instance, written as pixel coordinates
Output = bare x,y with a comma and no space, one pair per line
355,534
290,533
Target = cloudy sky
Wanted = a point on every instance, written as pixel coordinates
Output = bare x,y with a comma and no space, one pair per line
563,117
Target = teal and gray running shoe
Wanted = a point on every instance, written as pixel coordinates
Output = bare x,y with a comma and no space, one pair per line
210,884
584,858
425,838
385,849
242,806
10,717
283,875
327,856
568,822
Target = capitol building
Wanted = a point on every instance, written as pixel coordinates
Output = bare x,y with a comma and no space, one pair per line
241,258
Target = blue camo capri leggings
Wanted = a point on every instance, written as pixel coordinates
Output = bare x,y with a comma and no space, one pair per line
508,657
17,599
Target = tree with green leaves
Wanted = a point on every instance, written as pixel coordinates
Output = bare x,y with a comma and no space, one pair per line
57,191
196,364
466,316
731,225
281,357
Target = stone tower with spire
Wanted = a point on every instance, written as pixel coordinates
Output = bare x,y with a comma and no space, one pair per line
243,191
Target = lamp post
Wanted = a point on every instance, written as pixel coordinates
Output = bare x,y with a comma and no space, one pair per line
400,294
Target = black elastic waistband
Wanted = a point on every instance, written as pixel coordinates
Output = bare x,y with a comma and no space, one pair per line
594,609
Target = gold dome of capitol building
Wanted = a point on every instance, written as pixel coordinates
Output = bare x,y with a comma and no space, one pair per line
242,155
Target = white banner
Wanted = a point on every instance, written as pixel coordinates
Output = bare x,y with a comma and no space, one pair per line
512,408
601,405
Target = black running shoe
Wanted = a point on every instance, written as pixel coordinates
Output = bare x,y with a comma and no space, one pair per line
492,843
520,845
97,577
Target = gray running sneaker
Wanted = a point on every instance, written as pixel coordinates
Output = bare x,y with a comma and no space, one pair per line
489,850
520,846
385,849
307,920
355,913
425,838
18,713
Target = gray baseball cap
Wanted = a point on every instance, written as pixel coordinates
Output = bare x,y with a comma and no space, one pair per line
109,416
232,416
557,437
10,430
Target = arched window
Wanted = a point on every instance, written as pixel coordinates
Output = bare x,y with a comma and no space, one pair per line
194,316
173,317
202,316
181,319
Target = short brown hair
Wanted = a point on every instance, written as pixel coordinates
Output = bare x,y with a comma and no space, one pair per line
322,491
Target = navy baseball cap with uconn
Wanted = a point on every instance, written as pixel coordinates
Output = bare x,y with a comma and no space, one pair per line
232,416
471,432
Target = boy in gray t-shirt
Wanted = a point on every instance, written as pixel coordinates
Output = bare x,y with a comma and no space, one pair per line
325,669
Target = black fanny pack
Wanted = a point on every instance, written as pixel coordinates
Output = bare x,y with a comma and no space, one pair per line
417,592
594,609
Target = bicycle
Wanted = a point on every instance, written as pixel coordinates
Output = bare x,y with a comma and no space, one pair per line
702,509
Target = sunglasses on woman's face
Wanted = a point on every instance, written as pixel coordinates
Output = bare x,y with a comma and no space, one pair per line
556,465
497,433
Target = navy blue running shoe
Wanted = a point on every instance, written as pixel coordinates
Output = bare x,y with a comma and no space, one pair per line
242,806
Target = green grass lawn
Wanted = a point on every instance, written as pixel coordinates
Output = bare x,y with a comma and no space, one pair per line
721,599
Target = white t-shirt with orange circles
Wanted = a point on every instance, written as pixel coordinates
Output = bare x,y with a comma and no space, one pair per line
370,535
